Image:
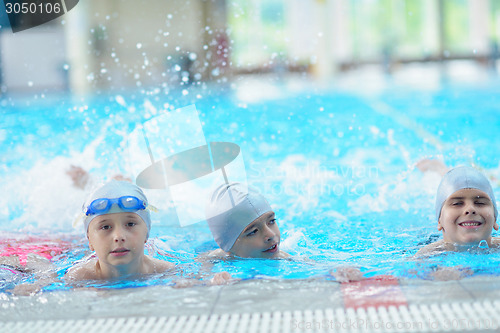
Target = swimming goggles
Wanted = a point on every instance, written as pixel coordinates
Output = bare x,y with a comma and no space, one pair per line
126,203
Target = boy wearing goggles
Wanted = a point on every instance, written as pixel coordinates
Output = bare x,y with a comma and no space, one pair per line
117,225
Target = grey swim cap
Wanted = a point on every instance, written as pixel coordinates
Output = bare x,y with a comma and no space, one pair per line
230,209
460,178
113,190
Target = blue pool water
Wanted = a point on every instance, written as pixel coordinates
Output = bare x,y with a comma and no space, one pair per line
336,165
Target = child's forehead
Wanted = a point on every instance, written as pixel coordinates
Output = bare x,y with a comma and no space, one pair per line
261,219
468,193
116,217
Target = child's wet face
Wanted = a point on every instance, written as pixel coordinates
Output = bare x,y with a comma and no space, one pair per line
260,239
467,217
118,239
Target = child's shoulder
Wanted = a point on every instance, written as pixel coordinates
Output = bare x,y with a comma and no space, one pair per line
218,253
83,271
158,266
221,254
431,249
283,255
213,255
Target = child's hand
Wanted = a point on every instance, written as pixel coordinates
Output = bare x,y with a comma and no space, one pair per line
220,279
121,178
347,274
432,165
185,283
26,289
450,273
79,176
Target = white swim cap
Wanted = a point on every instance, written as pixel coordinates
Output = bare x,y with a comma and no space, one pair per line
461,178
113,190
230,209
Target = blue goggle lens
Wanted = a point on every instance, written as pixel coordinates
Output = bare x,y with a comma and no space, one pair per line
100,205
103,205
130,202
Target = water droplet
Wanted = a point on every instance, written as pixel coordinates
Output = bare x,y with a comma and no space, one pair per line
139,45
120,100
215,72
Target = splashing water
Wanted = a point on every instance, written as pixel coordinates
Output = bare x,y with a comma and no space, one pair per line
483,244
343,193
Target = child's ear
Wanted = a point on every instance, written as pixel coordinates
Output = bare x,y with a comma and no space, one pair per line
495,226
91,247
440,227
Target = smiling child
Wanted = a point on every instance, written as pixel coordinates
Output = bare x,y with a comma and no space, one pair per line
466,211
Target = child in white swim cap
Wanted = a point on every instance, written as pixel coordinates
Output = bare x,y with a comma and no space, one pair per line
466,211
243,223
117,225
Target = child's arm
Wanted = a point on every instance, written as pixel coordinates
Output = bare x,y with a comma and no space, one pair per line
438,166
443,273
29,289
221,278
161,266
44,274
217,280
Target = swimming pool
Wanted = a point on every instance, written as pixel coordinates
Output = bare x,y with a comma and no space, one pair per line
336,164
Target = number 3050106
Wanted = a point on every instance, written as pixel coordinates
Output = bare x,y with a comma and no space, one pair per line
32,8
